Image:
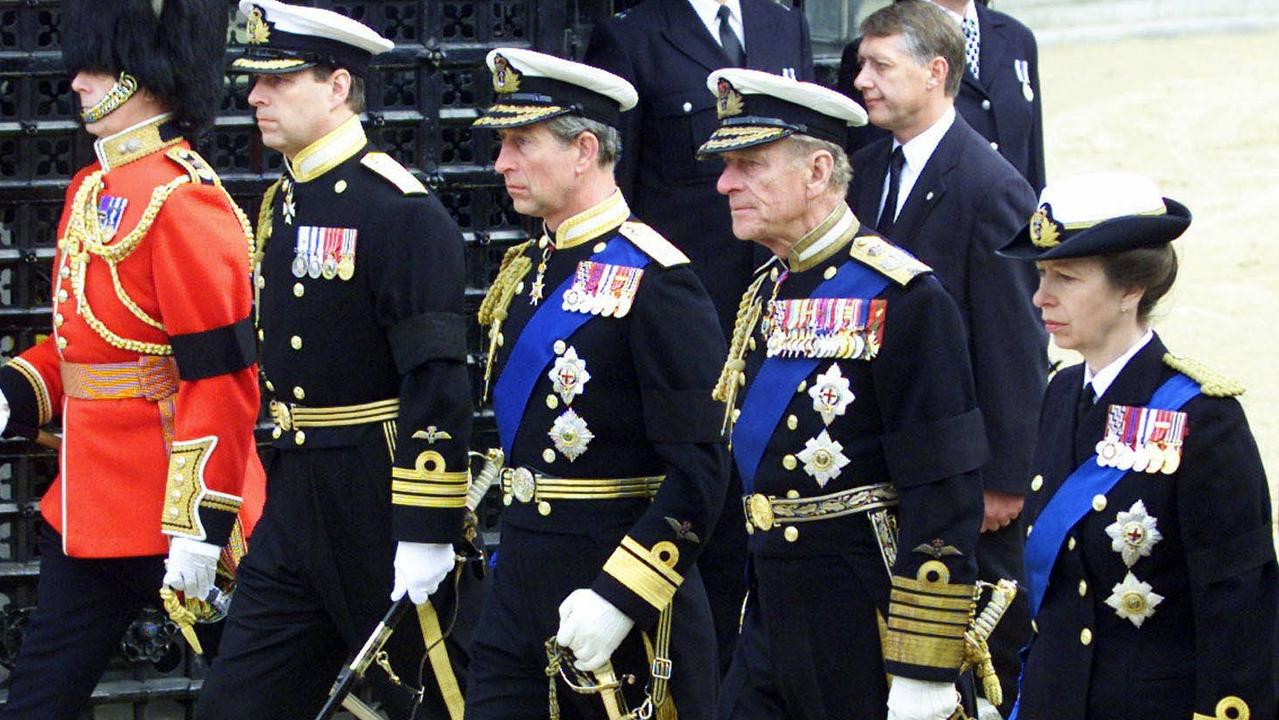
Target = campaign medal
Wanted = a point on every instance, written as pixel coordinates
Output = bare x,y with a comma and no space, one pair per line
288,208
332,241
299,253
602,289
1022,68
110,213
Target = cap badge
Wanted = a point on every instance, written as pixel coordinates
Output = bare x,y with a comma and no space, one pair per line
1044,231
256,28
728,100
506,79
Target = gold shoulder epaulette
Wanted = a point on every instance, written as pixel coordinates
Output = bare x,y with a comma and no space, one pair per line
897,264
1211,382
195,166
400,177
652,243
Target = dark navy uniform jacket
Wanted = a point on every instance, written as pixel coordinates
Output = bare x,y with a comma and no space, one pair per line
997,104
665,51
912,422
1212,637
646,403
395,330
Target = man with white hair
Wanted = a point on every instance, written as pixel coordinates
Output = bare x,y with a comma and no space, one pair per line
855,431
603,350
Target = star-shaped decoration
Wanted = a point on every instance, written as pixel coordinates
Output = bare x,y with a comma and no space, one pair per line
568,375
570,435
1133,600
1133,534
823,458
831,394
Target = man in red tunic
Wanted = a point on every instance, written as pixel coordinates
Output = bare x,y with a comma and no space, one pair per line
150,360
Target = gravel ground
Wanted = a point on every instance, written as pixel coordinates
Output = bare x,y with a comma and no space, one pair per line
1197,113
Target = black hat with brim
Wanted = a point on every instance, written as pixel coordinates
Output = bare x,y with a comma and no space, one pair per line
1046,239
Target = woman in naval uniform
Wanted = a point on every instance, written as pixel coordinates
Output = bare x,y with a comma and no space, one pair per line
1149,554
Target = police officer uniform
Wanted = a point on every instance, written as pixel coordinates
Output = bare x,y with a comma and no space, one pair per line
154,384
1150,555
603,351
359,281
858,441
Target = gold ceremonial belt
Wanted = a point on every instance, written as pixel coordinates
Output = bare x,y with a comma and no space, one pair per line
151,377
763,512
528,486
287,416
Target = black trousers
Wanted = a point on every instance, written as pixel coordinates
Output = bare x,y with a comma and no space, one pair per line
999,556
723,567
83,608
810,647
315,582
534,573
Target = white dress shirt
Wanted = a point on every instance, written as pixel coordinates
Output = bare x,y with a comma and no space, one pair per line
1103,378
917,151
708,11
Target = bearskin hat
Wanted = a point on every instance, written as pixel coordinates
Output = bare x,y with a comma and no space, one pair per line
174,48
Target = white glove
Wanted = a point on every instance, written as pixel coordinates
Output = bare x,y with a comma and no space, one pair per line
4,412
592,628
191,567
911,699
420,568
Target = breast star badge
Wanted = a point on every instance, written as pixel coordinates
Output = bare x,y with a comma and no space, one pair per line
1133,534
569,375
831,394
570,435
823,458
1133,600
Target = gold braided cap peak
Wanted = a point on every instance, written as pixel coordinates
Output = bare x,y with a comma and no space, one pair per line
1211,382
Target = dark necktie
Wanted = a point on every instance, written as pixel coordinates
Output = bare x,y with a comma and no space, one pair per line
888,216
1086,400
728,39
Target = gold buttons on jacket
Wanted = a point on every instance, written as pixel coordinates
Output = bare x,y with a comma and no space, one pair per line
299,289
1083,588
339,187
58,320
830,272
260,282
1070,544
789,462
548,455
62,343
1036,483
1098,502
559,347
65,271
792,422
270,386
599,247
299,393
261,335
791,533
1085,636
299,437
552,401
276,433
295,342
792,494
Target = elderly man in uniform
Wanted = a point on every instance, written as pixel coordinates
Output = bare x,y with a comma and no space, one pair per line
359,277
857,435
154,382
604,347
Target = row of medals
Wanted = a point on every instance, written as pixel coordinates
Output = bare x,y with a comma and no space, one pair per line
1150,458
328,269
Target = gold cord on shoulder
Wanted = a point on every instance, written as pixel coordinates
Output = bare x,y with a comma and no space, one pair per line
732,376
515,265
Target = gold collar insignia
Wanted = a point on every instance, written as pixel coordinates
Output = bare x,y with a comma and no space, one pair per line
823,241
328,152
592,222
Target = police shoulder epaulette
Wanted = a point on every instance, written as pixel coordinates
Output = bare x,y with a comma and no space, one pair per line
400,177
652,243
1211,382
195,166
898,265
